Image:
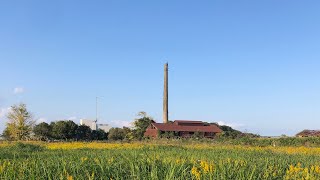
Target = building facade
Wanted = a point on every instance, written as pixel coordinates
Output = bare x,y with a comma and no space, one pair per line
94,126
104,127
183,128
90,123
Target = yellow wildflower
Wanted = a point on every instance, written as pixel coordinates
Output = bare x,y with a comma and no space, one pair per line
196,173
83,159
69,177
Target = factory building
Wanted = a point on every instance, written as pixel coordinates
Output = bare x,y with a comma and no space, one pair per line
94,126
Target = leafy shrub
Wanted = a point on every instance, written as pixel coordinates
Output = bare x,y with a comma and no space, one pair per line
26,147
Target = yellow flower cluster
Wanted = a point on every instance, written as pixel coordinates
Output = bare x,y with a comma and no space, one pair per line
69,177
151,146
201,168
83,159
299,172
196,173
286,150
206,167
180,161
94,145
315,169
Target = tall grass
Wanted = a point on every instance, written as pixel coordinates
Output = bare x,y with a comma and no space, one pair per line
151,161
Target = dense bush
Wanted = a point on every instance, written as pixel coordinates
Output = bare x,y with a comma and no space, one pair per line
283,141
26,147
67,130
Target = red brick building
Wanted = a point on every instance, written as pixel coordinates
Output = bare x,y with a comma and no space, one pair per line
183,128
309,133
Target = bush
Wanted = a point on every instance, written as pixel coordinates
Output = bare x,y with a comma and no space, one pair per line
26,147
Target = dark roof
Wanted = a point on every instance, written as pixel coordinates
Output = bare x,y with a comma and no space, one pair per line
176,127
186,121
309,133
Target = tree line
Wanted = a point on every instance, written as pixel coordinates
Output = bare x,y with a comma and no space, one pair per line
22,126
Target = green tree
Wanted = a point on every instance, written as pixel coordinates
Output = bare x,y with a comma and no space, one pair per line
99,135
141,124
42,131
6,134
20,122
64,129
197,135
129,134
83,132
116,134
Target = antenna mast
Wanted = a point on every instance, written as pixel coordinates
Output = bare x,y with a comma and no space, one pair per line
96,109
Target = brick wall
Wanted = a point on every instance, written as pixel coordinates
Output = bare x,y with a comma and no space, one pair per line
151,133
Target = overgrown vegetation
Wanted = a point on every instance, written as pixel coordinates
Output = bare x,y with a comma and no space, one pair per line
152,161
26,147
21,126
20,123
67,130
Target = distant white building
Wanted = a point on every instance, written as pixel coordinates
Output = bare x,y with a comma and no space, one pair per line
105,127
94,126
91,124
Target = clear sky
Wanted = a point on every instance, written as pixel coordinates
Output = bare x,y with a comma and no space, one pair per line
250,64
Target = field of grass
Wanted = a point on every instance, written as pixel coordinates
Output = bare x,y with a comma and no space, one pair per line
156,161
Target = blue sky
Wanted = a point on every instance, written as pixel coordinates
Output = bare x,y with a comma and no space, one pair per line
250,64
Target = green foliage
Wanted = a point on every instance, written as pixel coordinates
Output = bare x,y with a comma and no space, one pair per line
168,134
67,130
230,133
263,142
197,135
141,124
83,133
42,131
26,147
129,133
20,123
99,135
64,129
116,134
6,134
155,162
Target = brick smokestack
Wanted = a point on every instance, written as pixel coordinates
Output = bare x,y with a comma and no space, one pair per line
165,95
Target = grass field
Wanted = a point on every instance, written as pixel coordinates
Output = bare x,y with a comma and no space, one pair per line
156,161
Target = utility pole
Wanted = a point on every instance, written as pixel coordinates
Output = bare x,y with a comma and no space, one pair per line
96,109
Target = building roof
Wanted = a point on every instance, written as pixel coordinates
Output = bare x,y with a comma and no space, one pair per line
195,128
186,121
309,133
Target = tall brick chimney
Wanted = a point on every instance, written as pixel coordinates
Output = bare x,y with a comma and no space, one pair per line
165,95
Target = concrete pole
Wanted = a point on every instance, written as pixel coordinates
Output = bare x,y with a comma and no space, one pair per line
165,95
